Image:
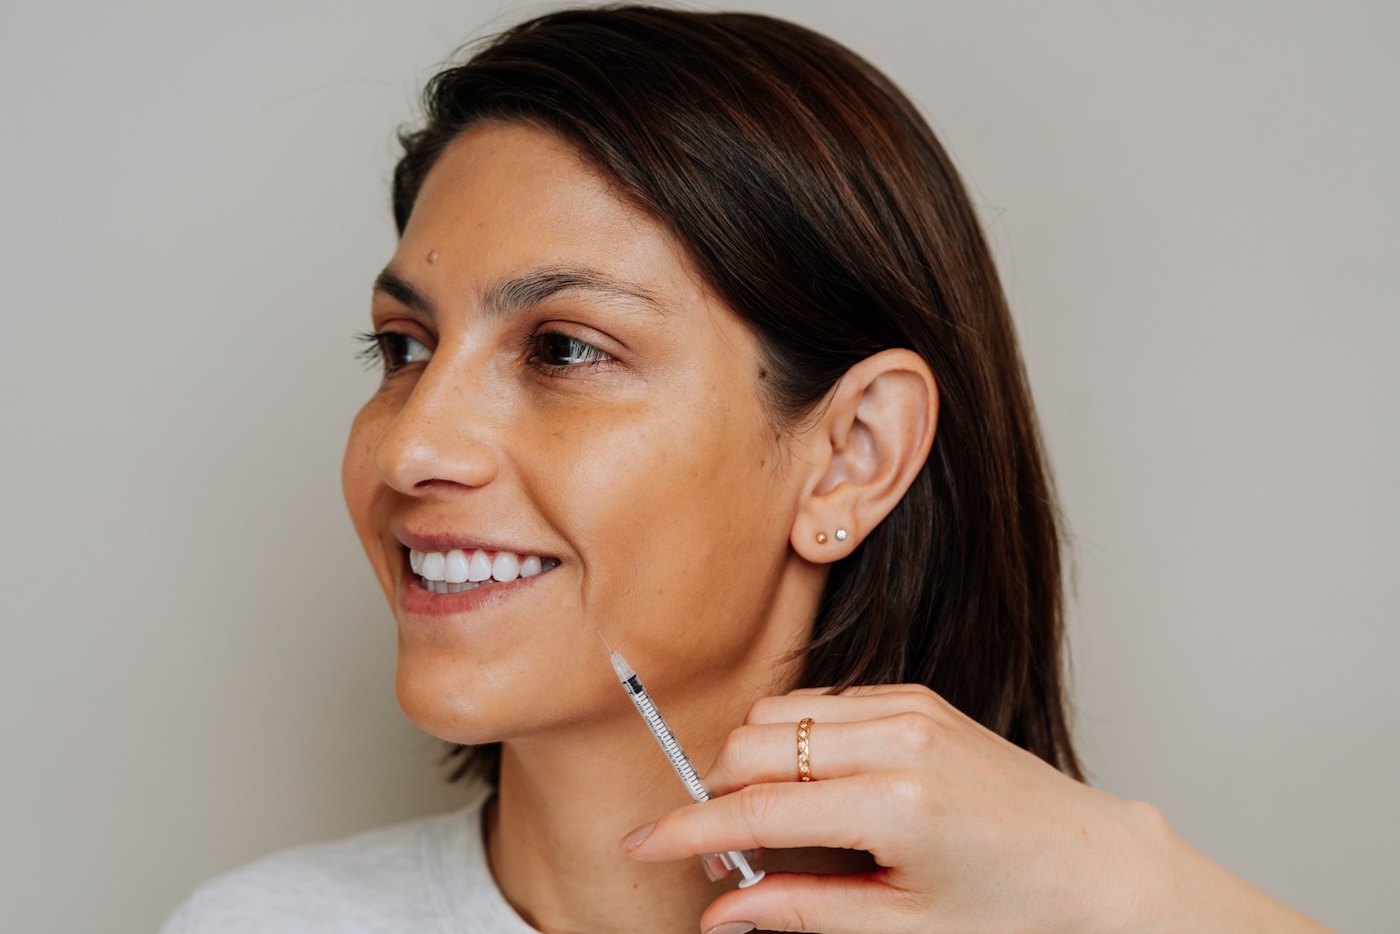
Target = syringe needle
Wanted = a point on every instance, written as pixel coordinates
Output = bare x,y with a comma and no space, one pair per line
667,740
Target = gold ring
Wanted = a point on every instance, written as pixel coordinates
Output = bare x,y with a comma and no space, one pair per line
804,747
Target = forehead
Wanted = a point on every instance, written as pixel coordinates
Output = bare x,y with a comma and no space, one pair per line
509,196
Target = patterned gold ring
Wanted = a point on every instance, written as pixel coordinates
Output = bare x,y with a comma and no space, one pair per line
804,749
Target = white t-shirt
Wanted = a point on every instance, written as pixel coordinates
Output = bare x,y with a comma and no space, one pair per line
427,876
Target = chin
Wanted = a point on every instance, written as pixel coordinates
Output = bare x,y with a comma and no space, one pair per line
443,702
472,704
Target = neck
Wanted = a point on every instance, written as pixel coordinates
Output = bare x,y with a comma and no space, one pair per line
567,795
565,800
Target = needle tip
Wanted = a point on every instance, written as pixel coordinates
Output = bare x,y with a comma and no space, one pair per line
624,670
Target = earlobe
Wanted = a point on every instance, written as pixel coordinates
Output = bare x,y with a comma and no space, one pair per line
869,444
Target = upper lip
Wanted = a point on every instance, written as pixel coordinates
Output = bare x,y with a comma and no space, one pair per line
445,542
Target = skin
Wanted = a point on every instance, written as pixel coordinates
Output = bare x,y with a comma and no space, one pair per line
621,431
474,435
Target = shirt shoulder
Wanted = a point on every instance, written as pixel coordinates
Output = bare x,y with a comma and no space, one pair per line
383,881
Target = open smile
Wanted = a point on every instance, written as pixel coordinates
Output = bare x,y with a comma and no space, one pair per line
460,570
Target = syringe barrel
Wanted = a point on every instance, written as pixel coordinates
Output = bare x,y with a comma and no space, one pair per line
678,759
667,741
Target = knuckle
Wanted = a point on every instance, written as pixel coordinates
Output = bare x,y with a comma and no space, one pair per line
763,710
1146,817
921,697
721,761
908,792
741,751
926,701
916,732
756,806
912,689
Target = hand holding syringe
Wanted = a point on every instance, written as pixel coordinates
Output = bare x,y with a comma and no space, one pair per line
647,708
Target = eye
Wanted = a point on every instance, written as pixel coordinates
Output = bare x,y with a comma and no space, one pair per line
393,350
551,350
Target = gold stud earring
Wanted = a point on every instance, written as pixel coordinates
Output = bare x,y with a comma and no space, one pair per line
821,538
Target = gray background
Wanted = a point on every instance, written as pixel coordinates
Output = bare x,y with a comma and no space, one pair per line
1195,210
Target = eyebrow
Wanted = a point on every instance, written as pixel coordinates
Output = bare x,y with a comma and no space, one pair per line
519,293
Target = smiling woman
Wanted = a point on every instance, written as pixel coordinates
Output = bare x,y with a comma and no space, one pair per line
538,401
691,338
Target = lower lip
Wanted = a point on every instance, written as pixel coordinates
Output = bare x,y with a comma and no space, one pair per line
416,600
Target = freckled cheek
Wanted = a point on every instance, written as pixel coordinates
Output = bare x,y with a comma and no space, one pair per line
661,507
360,484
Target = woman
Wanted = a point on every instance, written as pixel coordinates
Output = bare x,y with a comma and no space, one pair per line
691,340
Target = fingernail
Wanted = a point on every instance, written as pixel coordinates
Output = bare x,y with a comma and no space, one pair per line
635,838
732,927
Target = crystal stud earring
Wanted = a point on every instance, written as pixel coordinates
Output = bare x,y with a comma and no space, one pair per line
840,535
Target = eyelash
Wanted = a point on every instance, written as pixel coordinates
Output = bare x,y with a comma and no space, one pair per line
379,351
592,356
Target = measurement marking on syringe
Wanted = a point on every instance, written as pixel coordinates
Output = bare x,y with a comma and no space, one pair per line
674,753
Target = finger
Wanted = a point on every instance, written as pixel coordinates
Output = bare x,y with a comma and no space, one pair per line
859,690
791,708
831,904
767,752
862,812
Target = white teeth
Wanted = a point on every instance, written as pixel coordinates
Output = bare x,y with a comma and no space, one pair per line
457,571
479,568
505,568
456,566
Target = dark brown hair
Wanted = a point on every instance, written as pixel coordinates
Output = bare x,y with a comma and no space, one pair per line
818,204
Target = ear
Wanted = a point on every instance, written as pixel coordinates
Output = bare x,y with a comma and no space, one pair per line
862,451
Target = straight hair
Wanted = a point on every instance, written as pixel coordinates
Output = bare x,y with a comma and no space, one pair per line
817,203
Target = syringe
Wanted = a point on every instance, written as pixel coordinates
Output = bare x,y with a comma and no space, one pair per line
647,708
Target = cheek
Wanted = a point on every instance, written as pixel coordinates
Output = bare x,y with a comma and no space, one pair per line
359,482
356,468
681,523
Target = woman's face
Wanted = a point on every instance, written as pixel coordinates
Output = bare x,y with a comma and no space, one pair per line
564,395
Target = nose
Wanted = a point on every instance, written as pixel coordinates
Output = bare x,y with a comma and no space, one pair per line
434,444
